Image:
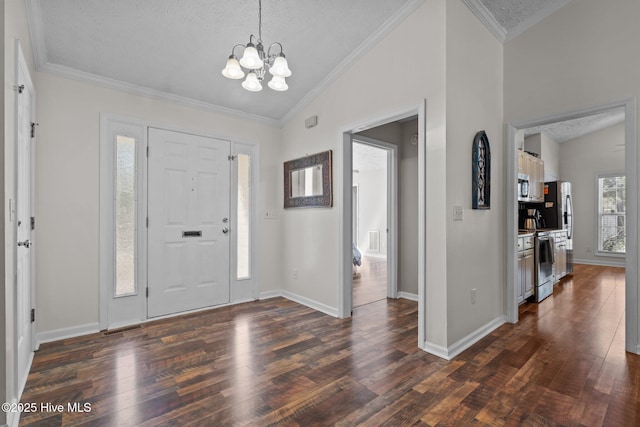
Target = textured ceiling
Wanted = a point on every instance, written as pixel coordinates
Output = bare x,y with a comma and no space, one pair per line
368,158
572,129
179,47
507,19
512,13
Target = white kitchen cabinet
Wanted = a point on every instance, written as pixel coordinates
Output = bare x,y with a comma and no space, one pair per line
534,167
537,180
526,273
560,260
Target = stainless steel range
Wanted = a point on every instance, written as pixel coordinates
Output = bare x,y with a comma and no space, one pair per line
544,250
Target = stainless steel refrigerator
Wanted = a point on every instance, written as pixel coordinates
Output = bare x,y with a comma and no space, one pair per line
557,212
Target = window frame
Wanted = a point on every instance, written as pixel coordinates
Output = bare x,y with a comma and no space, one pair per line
598,206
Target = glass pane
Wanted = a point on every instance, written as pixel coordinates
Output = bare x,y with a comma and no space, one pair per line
243,227
125,215
612,219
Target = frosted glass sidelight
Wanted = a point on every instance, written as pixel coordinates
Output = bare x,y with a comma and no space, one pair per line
243,223
125,215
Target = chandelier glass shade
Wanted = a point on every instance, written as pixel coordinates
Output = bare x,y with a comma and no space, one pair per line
255,62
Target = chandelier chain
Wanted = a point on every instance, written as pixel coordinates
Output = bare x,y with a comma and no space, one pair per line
259,21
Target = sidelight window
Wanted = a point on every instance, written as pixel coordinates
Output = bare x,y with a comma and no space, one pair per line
125,215
612,214
243,221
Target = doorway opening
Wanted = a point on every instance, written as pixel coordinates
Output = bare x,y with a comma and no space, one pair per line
373,210
618,156
414,119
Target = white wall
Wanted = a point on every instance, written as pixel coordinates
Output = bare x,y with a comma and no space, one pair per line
579,57
361,95
68,196
473,102
372,195
581,160
475,246
15,28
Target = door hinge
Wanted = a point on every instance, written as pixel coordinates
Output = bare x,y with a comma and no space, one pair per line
33,129
33,223
232,158
33,315
147,293
147,222
147,151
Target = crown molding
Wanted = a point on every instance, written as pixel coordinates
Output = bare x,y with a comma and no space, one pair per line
82,76
384,30
487,19
36,32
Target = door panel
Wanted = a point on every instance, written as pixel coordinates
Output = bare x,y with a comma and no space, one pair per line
23,220
188,200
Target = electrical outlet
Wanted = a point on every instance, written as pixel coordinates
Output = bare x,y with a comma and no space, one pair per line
474,293
294,274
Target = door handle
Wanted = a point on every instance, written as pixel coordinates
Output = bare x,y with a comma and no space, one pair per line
225,230
26,243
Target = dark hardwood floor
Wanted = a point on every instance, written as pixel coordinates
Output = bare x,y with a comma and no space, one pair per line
370,284
275,362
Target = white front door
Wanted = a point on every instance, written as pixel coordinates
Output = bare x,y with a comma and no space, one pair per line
23,220
188,210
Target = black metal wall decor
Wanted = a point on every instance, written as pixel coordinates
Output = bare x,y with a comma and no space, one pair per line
481,163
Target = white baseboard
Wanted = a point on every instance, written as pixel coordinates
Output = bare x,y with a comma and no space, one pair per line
323,308
408,295
600,263
65,333
458,347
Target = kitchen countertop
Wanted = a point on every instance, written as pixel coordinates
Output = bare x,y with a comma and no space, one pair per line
532,232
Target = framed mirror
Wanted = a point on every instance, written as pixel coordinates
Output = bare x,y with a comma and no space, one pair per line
307,181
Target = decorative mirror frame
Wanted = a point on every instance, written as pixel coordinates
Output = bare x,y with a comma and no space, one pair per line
481,179
326,199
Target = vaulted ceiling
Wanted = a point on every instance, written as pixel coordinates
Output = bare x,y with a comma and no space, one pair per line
176,49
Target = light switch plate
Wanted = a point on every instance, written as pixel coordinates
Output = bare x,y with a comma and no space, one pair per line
458,213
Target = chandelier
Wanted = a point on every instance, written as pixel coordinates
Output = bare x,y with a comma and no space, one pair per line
256,61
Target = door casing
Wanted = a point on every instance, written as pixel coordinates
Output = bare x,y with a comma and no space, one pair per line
135,311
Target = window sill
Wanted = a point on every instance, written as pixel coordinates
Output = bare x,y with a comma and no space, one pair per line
611,254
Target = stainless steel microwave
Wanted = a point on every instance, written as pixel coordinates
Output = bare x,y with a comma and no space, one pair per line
523,187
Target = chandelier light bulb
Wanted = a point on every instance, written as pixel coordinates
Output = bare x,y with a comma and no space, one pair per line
232,69
278,83
280,67
251,83
250,59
